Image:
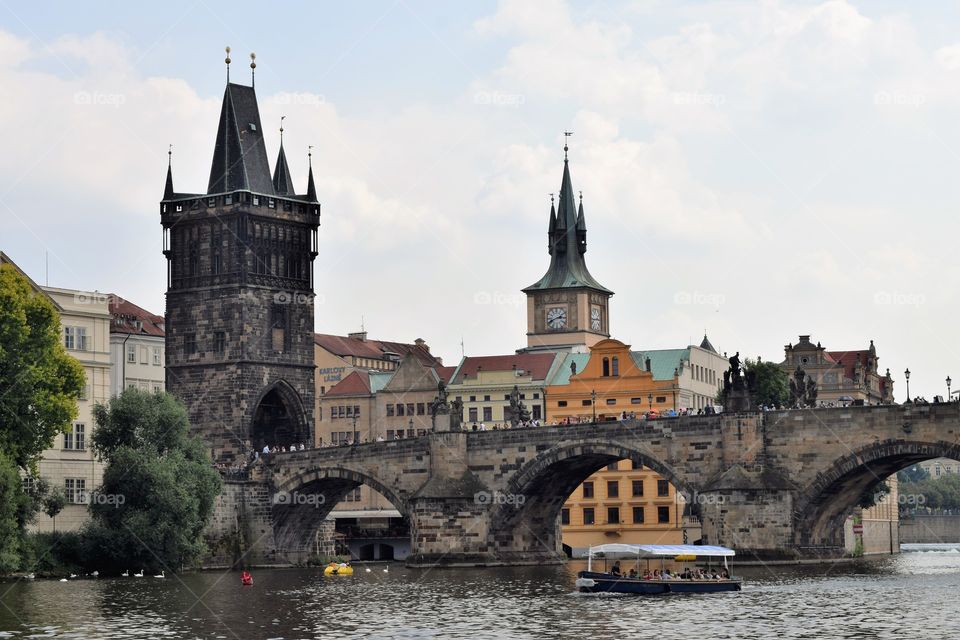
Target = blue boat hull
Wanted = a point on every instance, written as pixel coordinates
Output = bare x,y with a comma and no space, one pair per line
594,582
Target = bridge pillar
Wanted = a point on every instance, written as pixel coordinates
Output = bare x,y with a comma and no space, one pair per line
757,522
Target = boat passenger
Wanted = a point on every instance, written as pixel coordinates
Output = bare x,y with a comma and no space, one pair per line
615,569
725,575
632,574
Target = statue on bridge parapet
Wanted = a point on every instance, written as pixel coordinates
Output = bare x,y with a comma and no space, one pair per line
803,389
518,411
736,389
445,419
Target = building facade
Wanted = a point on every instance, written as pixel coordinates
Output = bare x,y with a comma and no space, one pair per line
136,348
842,377
239,311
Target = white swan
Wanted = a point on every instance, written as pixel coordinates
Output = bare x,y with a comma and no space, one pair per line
73,575
95,574
386,569
160,576
29,576
368,569
125,574
63,579
138,575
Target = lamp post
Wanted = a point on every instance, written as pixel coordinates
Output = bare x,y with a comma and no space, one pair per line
353,436
593,403
410,428
650,400
906,375
949,397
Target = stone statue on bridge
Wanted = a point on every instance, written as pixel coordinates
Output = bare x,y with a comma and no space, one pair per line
736,392
803,389
518,411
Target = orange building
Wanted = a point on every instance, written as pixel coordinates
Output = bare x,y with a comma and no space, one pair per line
621,503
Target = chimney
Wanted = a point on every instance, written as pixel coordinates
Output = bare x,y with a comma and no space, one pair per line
420,342
647,362
358,335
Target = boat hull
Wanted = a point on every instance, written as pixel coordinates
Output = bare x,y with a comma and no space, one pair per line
594,582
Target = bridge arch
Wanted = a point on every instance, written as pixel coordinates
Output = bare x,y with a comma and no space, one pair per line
301,503
278,417
824,504
526,522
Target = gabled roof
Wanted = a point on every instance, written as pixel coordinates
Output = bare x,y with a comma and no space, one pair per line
847,360
355,384
131,319
445,373
536,365
705,344
374,349
239,155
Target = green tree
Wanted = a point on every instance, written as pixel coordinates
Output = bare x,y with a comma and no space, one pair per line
53,504
39,381
158,489
14,501
768,383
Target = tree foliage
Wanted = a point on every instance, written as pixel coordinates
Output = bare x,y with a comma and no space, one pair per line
39,381
767,383
158,486
937,493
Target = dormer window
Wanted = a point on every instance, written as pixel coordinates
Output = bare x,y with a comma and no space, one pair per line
252,126
256,200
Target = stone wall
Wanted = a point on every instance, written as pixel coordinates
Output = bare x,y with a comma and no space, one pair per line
930,530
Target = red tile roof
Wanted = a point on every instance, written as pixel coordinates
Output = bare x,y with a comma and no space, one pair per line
374,349
847,360
536,365
357,383
445,373
129,318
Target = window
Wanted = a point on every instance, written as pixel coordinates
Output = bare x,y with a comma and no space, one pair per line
410,409
613,515
190,343
638,515
487,414
636,400
400,409
131,353
616,366
220,342
588,489
637,488
84,392
663,514
320,414
613,489
473,414
473,398
612,466
75,439
75,338
75,489
144,355
588,517
661,399
611,401
536,412
606,367
561,403
564,515
636,466
486,398
389,410
663,488
421,408
156,356
586,403
536,396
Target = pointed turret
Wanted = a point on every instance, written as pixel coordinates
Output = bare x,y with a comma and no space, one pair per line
311,188
168,188
239,156
282,183
567,242
705,344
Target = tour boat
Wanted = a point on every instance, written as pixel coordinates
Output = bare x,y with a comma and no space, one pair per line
591,581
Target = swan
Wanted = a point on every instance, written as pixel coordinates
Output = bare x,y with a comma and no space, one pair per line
95,574
386,569
125,574
73,575
29,576
138,575
63,579
160,576
368,569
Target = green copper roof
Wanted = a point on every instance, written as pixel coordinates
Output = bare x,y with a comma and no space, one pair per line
562,372
567,242
662,361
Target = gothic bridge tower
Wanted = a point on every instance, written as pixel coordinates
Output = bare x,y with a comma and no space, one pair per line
239,313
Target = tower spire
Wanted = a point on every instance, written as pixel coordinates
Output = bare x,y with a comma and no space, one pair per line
311,188
168,188
227,61
282,183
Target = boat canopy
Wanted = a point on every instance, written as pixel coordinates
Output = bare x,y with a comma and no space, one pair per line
661,550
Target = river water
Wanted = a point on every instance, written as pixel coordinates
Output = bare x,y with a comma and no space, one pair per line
913,595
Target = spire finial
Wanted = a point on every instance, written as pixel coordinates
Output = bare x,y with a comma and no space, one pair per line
253,69
566,138
310,155
169,155
281,130
227,61
551,199
581,197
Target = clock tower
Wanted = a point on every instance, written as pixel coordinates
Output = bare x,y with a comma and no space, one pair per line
567,307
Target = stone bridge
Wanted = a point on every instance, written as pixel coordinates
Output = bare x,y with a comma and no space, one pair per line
774,484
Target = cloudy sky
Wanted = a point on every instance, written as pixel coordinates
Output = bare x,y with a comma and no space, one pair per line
755,170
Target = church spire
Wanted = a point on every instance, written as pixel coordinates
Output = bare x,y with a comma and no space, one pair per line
282,183
168,188
311,188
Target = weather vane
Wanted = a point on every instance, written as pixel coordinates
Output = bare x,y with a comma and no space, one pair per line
566,137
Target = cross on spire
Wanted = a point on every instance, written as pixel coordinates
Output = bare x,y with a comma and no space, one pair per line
566,139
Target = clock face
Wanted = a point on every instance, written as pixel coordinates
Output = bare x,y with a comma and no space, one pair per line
595,323
557,318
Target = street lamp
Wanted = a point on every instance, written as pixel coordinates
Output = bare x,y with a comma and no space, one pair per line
906,375
949,397
650,400
593,403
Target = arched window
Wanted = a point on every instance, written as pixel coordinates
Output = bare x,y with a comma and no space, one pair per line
616,366
606,367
